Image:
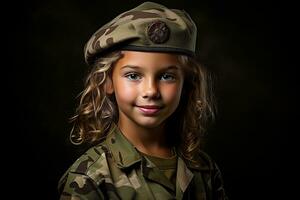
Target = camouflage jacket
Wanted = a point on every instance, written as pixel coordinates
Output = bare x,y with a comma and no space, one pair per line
114,169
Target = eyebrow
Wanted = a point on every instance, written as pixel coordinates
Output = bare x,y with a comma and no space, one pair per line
138,67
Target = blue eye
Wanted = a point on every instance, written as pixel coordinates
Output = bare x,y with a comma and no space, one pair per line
133,76
168,77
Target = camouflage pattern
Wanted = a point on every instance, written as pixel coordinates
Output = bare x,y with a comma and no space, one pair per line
148,27
114,169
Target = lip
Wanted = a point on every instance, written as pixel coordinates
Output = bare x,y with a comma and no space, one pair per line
149,109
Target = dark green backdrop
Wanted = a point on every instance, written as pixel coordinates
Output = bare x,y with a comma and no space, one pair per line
238,40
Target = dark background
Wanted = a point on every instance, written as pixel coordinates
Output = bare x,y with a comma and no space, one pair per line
239,41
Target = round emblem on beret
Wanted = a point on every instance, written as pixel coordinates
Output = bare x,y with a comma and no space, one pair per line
158,32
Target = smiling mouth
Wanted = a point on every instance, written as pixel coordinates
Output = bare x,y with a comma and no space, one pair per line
149,109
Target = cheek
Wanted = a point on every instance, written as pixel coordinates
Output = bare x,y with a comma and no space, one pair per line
172,93
124,92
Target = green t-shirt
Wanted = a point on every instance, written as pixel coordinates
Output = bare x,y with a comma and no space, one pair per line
166,165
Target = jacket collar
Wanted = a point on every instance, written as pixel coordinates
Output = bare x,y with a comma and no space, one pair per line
123,152
126,155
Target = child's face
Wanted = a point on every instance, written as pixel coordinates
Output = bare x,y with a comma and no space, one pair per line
147,87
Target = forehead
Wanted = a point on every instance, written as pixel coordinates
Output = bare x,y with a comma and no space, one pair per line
151,59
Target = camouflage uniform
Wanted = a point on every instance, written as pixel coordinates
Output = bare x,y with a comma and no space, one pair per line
114,169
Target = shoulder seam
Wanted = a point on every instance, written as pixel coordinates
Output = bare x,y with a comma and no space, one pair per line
89,158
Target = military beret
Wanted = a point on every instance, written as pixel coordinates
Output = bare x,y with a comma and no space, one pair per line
147,27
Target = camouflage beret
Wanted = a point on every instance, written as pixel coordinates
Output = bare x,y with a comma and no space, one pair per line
147,27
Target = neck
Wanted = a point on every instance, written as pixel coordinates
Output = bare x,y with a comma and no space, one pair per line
150,141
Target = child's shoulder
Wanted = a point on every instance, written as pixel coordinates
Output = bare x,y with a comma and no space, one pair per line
204,162
205,159
93,156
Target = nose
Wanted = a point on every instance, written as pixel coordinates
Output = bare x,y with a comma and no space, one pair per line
151,89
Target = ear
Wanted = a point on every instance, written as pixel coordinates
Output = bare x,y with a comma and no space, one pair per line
108,86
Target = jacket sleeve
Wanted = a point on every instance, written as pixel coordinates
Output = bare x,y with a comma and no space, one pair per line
78,186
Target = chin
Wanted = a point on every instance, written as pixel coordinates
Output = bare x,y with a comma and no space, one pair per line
150,123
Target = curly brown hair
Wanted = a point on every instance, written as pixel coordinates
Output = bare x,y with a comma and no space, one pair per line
97,110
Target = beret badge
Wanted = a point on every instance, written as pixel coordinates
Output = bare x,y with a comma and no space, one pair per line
158,32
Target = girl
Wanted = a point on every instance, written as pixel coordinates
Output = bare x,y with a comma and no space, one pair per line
144,110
